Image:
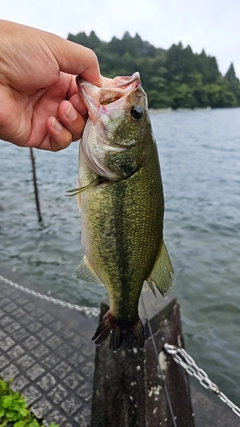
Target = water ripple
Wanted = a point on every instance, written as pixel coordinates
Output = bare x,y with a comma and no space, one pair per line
200,158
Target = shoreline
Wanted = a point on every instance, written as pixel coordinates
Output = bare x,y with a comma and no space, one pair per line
169,110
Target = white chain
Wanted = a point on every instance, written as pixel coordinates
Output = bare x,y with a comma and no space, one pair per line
89,311
187,362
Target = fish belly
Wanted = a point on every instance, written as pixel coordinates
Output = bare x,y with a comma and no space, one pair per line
122,225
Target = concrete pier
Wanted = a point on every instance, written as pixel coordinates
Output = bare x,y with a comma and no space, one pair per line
48,352
127,388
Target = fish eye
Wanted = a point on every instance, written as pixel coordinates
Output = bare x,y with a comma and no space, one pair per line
137,112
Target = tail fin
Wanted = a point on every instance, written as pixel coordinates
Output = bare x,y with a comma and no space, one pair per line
124,334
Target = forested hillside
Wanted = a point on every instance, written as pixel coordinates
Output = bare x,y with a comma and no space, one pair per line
176,78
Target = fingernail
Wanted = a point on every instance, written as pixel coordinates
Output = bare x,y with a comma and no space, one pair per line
56,125
71,113
79,105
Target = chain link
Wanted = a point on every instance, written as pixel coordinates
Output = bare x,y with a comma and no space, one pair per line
187,362
89,311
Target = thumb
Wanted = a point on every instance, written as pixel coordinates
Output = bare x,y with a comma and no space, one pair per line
76,59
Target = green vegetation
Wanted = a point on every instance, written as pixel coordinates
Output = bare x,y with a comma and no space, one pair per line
176,78
14,411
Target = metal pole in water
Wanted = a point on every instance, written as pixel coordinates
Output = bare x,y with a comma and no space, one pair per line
35,185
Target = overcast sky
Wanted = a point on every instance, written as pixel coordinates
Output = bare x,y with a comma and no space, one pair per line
210,24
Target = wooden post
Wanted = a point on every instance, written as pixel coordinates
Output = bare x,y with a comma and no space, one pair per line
127,391
35,185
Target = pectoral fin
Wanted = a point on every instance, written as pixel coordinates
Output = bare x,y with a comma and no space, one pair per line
86,273
76,191
162,272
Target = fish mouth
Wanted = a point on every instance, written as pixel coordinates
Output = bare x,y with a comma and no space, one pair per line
111,95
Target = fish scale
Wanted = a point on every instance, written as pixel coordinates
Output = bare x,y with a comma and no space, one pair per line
121,199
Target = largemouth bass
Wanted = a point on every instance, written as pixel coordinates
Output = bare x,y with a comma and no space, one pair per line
120,195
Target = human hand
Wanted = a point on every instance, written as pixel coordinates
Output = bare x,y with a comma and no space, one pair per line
39,102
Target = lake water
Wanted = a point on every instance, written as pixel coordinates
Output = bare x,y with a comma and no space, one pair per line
200,162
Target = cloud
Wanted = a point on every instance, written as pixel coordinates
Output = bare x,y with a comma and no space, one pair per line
209,24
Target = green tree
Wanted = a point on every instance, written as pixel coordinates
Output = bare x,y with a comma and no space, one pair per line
176,77
231,75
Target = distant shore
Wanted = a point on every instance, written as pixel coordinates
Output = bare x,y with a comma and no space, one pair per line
168,110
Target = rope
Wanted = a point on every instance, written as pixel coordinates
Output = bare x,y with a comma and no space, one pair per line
89,311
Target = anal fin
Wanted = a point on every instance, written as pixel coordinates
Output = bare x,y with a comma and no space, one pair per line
162,272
